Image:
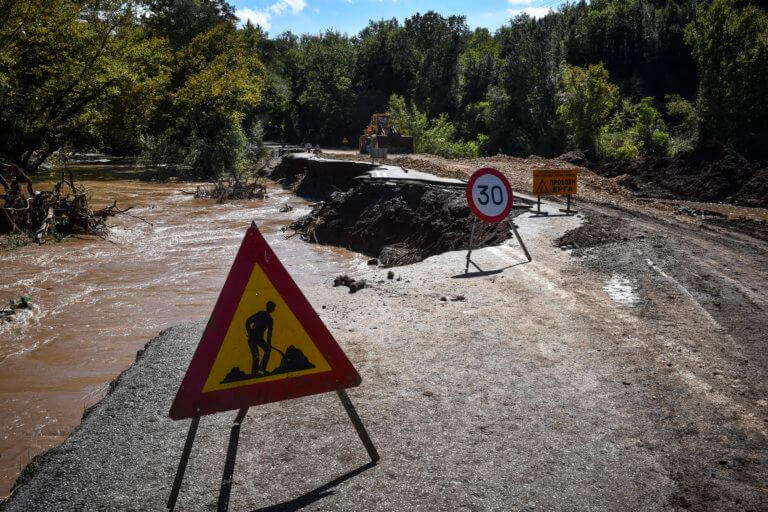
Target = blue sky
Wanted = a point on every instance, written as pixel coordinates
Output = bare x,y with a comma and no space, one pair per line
350,16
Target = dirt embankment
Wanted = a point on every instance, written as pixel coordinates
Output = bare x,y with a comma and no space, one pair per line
704,175
397,223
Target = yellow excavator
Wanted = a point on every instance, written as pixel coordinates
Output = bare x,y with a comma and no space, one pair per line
381,133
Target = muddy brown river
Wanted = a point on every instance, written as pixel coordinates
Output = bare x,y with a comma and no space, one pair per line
95,302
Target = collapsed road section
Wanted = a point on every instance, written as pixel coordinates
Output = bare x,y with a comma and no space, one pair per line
387,212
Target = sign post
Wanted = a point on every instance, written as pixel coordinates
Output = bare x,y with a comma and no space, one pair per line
490,199
555,182
263,343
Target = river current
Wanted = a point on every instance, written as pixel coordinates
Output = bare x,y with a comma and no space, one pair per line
95,303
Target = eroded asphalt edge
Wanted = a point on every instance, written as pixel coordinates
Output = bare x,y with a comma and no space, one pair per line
502,401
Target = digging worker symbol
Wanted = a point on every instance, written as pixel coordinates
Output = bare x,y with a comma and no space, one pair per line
257,326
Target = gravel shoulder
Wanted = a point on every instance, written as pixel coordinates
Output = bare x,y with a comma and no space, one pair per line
623,373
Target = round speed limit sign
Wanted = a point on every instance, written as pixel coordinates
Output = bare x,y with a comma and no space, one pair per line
489,195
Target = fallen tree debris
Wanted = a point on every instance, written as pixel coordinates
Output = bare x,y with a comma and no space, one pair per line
58,213
233,188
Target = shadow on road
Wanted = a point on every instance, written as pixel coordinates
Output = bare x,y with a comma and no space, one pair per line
483,273
315,494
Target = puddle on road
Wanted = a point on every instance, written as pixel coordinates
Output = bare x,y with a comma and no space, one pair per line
95,303
622,290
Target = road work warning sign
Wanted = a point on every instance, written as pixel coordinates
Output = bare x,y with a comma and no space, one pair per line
555,182
263,343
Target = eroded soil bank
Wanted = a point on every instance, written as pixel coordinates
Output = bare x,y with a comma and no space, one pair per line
705,175
399,224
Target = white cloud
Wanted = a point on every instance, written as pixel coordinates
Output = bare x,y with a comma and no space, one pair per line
264,17
256,17
296,6
533,12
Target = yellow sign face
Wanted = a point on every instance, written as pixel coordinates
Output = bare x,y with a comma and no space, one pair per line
264,342
555,182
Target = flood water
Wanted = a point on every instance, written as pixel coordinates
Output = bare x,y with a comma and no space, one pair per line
95,302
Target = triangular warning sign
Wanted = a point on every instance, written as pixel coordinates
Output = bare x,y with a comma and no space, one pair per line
263,343
541,189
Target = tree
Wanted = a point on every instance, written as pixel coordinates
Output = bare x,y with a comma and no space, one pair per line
730,46
215,81
438,42
324,89
58,59
521,107
587,97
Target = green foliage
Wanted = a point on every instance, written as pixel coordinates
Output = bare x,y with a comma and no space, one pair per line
436,44
181,83
324,86
408,120
214,81
730,46
640,42
437,137
58,60
683,124
586,99
635,130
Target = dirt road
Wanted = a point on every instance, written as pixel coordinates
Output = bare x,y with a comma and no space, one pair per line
625,373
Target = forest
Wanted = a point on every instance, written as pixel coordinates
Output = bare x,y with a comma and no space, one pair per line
183,82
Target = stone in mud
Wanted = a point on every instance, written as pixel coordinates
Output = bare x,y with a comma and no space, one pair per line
353,285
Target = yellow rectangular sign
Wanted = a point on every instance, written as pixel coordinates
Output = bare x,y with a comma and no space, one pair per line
555,182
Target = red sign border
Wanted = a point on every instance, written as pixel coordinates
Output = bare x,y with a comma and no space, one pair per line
480,215
190,399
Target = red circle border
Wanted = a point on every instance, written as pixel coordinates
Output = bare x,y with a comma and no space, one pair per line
480,215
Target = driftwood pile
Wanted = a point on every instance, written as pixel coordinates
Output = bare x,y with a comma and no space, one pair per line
57,213
232,188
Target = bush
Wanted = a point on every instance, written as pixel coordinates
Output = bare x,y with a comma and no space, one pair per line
683,124
586,98
437,137
635,130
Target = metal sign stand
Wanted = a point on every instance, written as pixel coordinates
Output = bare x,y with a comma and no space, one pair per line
469,253
538,211
519,239
345,401
512,226
568,210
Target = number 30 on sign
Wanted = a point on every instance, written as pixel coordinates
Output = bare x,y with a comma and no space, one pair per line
489,195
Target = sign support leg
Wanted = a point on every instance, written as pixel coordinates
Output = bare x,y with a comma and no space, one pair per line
364,437
568,210
538,208
471,241
183,462
520,240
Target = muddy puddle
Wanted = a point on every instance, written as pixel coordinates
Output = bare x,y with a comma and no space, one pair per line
95,303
